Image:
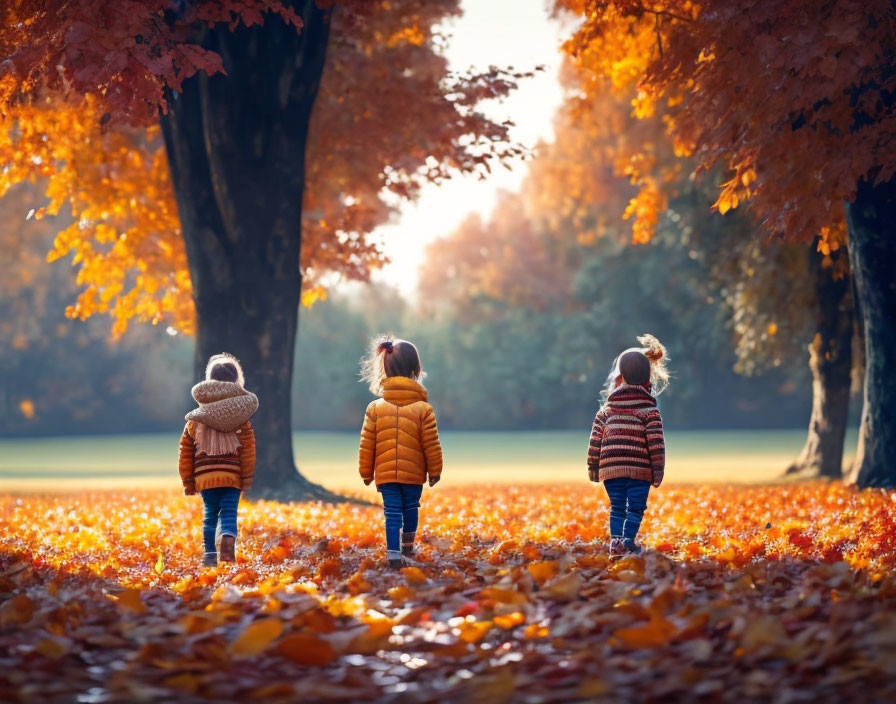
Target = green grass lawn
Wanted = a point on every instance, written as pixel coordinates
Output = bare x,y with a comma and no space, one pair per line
64,464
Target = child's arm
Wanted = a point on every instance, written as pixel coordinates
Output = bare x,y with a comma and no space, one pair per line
185,461
597,435
432,448
247,455
367,452
656,446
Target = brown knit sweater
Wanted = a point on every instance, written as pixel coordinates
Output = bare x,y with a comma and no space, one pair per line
627,437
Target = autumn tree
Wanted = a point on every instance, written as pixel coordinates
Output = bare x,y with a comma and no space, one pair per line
614,173
795,100
182,136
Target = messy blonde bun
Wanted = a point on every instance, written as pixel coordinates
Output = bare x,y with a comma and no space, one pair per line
654,350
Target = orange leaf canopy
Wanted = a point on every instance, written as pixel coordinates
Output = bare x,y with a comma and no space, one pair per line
79,95
794,98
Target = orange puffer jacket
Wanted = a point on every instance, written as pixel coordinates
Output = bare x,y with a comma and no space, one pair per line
400,440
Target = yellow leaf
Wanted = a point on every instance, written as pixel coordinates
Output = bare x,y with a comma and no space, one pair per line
510,620
543,571
414,576
257,637
401,594
502,596
474,631
130,600
160,564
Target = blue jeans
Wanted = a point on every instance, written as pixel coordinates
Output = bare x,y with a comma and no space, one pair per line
400,504
220,504
628,500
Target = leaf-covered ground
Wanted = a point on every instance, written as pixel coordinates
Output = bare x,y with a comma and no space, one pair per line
783,594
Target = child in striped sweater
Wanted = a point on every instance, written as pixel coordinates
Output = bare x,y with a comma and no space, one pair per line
627,451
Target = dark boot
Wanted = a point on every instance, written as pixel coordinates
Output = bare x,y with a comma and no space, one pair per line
210,559
227,551
395,563
632,547
407,544
617,548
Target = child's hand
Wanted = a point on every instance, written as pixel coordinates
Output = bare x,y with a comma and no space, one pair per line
656,485
367,482
594,475
189,491
434,480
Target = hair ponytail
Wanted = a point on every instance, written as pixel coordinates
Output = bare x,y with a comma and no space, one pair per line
656,352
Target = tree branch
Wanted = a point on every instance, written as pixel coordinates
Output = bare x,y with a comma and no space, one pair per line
666,13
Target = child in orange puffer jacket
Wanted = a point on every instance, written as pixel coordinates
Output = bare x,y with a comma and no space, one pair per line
400,446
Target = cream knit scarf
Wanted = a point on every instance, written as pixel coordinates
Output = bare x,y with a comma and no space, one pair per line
223,408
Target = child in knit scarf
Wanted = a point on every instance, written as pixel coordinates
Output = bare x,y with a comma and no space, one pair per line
627,450
217,452
400,446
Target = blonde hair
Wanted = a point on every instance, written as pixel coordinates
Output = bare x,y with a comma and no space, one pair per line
229,362
389,356
656,354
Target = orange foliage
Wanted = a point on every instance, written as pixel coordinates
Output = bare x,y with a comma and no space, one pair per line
604,165
760,591
793,98
104,166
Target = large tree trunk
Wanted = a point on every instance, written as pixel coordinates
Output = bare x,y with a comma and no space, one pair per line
830,360
872,251
236,148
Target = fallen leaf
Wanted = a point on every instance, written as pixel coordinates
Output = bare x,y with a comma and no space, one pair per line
257,637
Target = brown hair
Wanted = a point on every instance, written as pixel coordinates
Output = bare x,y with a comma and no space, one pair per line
389,357
224,367
634,367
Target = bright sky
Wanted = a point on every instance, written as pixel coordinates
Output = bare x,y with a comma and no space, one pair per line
515,33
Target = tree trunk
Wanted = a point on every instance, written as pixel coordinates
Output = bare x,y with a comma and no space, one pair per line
871,218
236,149
830,360
858,371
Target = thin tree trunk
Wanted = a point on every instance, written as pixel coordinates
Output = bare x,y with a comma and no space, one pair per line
236,149
872,250
858,371
830,360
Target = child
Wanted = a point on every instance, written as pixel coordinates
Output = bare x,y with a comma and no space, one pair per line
399,441
217,452
627,451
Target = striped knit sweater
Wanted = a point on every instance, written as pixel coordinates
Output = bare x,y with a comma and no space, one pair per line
627,437
200,471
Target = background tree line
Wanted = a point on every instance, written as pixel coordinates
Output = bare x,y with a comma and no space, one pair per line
491,363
